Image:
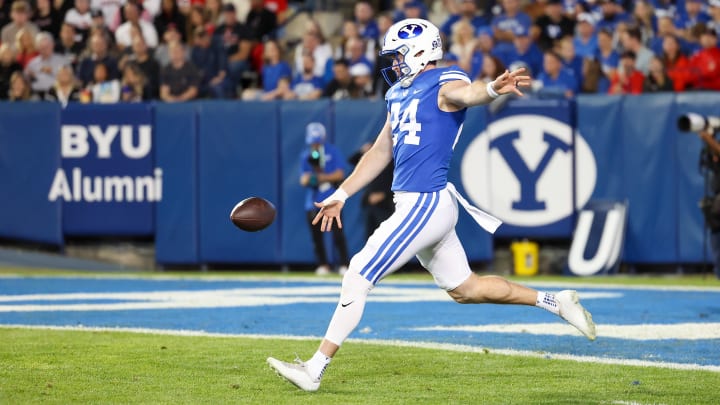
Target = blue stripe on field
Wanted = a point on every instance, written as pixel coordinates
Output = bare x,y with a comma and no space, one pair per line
384,320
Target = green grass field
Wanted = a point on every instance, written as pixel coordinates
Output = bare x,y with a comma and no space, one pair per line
82,367
100,367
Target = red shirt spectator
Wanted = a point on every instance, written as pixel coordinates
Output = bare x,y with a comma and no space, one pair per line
705,63
676,64
627,79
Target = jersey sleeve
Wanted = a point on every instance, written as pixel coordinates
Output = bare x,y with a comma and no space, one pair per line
451,74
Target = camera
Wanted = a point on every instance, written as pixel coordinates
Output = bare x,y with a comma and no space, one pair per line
692,122
315,159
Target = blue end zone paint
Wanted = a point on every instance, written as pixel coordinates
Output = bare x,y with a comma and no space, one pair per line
382,320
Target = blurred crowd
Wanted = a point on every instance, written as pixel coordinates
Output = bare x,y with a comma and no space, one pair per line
109,51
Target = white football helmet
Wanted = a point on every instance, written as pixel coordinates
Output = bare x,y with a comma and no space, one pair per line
419,43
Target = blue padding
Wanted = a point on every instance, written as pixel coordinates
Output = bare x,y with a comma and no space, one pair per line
237,158
29,160
113,216
176,217
296,242
650,179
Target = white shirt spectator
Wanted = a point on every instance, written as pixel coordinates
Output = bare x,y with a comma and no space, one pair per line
42,71
109,9
77,20
321,54
122,34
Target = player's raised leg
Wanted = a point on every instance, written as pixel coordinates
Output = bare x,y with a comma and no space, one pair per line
497,290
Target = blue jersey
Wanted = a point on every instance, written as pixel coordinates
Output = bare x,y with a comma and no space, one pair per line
423,135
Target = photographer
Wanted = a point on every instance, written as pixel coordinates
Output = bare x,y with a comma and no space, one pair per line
710,204
323,168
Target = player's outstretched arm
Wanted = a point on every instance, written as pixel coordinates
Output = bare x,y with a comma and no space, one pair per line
462,94
370,165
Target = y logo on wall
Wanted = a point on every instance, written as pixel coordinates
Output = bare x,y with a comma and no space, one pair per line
521,170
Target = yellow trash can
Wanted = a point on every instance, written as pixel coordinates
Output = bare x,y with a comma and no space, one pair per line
525,257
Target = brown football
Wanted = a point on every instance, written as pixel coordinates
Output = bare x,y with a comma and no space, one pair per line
253,214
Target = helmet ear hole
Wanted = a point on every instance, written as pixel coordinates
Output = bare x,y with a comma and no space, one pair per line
417,55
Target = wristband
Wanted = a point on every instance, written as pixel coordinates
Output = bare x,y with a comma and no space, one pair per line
338,195
491,90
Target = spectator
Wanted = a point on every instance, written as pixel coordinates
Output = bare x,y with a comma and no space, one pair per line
104,89
150,68
161,54
322,168
198,17
170,15
585,42
279,8
341,86
714,12
643,18
627,79
468,12
355,53
8,66
463,44
690,16
276,76
97,53
632,41
20,16
81,18
67,47
611,14
20,88
571,61
314,44
132,10
594,79
556,79
209,57
552,25
607,55
511,20
108,10
46,18
380,85
99,26
492,67
42,69
665,26
25,46
350,31
213,9
705,63
524,50
261,21
305,85
415,9
657,79
363,16
180,79
237,41
134,85
676,64
361,81
65,88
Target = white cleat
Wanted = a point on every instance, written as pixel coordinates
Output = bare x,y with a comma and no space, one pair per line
577,316
342,270
296,373
323,270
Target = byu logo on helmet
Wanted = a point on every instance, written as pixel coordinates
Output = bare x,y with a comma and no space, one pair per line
410,31
521,170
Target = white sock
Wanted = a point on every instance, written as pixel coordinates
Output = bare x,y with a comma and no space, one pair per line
317,364
547,301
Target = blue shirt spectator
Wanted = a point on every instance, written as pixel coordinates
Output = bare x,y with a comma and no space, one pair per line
271,74
469,11
511,20
524,50
691,15
585,40
557,79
